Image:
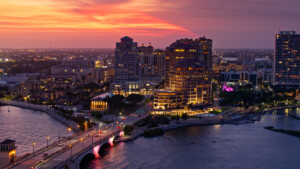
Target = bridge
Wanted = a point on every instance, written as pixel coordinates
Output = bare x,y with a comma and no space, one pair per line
77,149
76,155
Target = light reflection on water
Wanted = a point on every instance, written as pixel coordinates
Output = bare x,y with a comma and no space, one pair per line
28,126
217,146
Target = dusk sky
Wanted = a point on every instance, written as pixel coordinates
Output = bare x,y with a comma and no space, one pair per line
101,23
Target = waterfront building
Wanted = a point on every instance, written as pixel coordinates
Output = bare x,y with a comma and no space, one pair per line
188,73
127,68
198,50
190,84
287,59
7,152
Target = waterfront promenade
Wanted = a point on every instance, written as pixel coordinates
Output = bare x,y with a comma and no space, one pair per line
44,108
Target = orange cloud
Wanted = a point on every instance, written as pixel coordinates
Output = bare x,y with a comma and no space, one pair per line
114,16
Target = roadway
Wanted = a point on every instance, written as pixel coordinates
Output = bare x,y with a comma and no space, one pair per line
79,145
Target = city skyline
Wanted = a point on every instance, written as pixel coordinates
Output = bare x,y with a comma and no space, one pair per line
98,24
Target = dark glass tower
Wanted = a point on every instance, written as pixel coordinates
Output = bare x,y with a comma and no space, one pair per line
287,59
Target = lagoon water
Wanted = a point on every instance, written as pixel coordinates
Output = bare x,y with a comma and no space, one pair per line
28,126
247,146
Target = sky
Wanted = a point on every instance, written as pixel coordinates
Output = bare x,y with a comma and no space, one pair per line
101,23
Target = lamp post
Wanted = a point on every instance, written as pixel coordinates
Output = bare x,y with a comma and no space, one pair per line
117,123
33,144
92,139
81,142
69,129
78,126
71,149
47,141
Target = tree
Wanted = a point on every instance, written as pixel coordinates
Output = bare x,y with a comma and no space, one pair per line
128,129
166,106
135,98
184,116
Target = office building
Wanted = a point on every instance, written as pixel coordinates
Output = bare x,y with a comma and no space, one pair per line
287,59
127,69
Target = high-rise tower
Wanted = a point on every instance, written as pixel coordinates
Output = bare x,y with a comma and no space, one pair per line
127,69
287,59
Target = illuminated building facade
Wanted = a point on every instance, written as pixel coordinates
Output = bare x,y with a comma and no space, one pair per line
199,50
287,59
190,84
98,103
127,69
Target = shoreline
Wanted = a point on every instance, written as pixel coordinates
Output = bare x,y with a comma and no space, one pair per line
248,118
42,108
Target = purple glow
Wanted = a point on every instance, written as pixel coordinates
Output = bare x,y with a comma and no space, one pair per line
227,88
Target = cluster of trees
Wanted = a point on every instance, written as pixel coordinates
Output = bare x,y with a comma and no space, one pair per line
246,96
117,103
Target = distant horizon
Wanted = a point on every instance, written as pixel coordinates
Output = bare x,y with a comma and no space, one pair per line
114,48
100,23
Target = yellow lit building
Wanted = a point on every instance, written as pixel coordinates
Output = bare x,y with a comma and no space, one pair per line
189,84
98,103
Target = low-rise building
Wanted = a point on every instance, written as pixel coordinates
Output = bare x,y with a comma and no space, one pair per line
98,103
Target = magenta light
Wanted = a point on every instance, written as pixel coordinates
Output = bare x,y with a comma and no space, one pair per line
96,151
227,88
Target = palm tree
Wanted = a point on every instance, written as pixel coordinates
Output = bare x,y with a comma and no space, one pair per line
166,106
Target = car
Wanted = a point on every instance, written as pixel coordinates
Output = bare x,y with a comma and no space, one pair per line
45,155
60,144
97,135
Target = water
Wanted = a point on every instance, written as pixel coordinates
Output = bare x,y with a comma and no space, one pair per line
244,146
28,126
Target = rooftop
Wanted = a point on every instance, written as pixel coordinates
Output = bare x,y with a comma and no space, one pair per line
8,141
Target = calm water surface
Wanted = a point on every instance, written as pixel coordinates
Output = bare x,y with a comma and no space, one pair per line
218,146
28,126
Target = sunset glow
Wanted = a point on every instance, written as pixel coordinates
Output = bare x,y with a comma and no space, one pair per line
83,23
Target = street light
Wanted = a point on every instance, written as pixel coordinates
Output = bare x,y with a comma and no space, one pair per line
47,141
33,144
71,149
69,129
78,126
81,141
